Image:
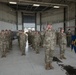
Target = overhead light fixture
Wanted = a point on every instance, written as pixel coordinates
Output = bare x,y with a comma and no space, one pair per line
56,7
13,2
37,5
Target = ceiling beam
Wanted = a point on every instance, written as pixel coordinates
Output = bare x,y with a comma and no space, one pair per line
72,0
42,3
27,11
27,7
9,0
31,7
35,9
32,2
45,8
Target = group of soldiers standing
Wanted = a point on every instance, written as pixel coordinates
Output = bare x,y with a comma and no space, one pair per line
5,42
47,39
34,40
51,38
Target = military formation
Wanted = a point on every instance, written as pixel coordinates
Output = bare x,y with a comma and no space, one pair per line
34,40
47,39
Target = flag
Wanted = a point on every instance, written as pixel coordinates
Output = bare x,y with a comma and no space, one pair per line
73,43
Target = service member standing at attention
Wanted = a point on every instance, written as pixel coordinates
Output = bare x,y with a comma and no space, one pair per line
68,35
62,43
49,44
22,42
37,40
3,44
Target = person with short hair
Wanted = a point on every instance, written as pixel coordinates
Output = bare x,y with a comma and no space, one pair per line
62,43
49,44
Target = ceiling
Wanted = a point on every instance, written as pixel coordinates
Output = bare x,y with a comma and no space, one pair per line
27,5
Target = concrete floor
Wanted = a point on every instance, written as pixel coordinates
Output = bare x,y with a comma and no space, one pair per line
32,63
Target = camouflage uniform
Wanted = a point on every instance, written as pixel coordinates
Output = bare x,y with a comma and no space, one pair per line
37,41
57,39
7,40
18,35
29,38
32,36
3,44
42,38
10,39
49,44
22,42
68,35
62,44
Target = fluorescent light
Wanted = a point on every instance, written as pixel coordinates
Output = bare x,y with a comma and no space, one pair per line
13,2
56,6
36,5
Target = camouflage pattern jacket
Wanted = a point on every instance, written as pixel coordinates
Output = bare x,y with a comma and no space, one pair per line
50,38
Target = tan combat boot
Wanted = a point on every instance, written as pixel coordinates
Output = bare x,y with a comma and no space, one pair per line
51,67
3,56
37,52
64,57
47,66
61,57
23,54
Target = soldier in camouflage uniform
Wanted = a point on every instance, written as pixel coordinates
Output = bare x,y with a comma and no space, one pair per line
22,42
49,44
10,39
18,35
42,38
37,40
3,44
7,40
62,43
57,39
68,35
32,35
29,37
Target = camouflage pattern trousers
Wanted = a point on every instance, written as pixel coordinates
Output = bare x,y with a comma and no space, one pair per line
62,49
22,47
36,47
3,48
48,55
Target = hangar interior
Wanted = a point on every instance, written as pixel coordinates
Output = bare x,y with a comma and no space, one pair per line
36,14
46,13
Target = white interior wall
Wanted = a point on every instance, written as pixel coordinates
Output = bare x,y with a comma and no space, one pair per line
38,21
71,25
19,27
56,17
38,27
7,17
56,26
5,25
7,14
71,11
19,20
